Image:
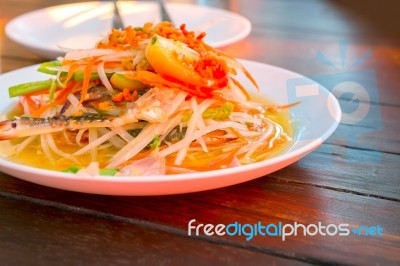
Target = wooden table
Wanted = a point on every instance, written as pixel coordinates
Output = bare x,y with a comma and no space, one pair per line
353,178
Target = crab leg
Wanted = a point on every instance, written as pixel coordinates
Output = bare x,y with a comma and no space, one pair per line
28,126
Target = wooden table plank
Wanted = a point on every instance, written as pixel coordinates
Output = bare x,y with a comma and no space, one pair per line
367,176
265,200
34,234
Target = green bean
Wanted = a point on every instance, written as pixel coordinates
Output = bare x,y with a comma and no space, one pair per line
44,67
78,75
106,171
29,87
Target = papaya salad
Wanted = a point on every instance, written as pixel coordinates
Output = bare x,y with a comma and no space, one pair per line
150,100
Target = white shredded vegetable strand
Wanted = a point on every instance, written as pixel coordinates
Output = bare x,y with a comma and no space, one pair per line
75,105
202,143
92,143
135,146
103,76
114,140
81,54
92,170
53,147
246,118
95,142
105,146
210,128
67,139
151,165
58,78
116,56
142,140
179,99
250,148
123,133
196,122
268,135
139,57
25,105
79,135
46,149
189,131
21,146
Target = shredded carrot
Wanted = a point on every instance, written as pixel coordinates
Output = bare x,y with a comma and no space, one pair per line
113,64
242,89
216,133
244,70
251,78
66,62
220,97
71,71
31,103
40,110
86,80
210,142
153,79
276,108
60,99
63,94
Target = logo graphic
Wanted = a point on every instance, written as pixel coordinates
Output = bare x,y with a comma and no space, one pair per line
357,93
281,230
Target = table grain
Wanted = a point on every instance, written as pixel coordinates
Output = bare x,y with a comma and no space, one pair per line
352,178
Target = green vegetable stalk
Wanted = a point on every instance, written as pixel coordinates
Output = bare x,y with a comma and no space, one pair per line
105,172
217,113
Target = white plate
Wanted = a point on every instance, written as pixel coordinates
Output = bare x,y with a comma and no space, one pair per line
79,26
316,118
